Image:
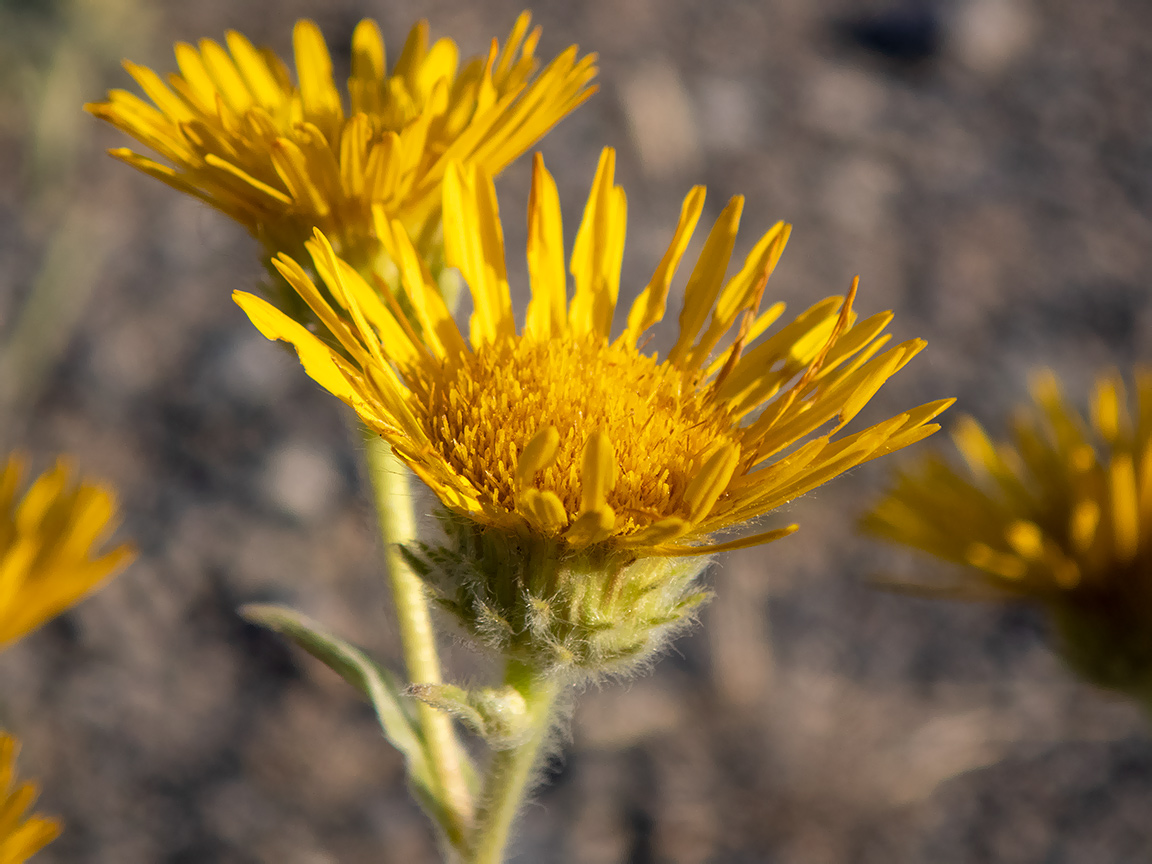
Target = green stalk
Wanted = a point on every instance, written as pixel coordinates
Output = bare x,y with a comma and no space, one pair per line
394,509
512,771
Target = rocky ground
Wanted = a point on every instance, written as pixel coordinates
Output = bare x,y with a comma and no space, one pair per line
984,165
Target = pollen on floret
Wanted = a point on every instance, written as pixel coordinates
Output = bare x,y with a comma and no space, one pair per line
519,415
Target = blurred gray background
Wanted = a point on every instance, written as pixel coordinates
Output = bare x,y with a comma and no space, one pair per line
984,165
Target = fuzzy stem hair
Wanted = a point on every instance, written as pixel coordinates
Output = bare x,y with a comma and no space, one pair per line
514,771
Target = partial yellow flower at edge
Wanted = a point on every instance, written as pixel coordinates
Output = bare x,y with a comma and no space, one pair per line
283,158
566,433
1064,506
1060,514
21,837
49,541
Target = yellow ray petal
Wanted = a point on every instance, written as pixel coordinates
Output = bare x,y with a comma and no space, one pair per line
292,166
443,336
1108,413
294,274
711,481
731,545
365,87
321,100
262,84
1124,509
474,244
439,66
225,76
546,311
412,54
315,356
598,253
707,277
649,306
198,86
742,293
172,105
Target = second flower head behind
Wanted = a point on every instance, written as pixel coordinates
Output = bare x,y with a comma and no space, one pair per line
284,158
51,539
587,480
1059,515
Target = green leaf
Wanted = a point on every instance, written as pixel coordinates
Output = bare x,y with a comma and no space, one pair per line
378,685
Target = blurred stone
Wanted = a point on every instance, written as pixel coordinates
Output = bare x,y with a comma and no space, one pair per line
844,102
990,34
239,814
857,194
269,559
345,759
737,628
302,481
193,234
402,835
937,750
598,832
616,719
1066,803
128,361
908,32
622,24
729,114
686,804
256,370
973,266
662,119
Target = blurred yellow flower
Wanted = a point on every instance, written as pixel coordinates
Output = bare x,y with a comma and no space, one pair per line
48,546
284,158
1062,515
564,433
20,837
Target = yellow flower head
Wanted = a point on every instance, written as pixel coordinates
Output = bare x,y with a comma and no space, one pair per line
567,436
284,158
21,837
1062,515
48,546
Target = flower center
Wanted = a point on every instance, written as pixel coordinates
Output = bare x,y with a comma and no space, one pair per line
481,414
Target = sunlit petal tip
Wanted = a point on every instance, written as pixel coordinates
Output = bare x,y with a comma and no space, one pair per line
941,405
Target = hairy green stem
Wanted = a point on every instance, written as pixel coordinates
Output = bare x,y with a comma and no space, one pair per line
512,771
394,509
